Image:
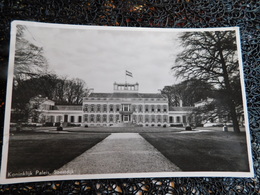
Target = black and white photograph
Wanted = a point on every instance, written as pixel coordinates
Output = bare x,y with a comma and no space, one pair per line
93,102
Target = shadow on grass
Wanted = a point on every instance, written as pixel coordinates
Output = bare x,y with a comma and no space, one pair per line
205,151
39,154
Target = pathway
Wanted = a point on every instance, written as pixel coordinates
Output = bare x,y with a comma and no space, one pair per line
120,153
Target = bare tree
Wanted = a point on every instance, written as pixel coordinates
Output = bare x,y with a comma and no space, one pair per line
75,91
212,57
29,58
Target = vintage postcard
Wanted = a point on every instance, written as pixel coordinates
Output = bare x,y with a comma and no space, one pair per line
88,102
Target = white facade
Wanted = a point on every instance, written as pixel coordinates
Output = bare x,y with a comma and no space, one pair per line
124,106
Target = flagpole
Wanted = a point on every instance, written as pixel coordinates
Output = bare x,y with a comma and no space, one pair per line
125,78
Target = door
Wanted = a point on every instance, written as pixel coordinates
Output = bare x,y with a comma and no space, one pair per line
126,118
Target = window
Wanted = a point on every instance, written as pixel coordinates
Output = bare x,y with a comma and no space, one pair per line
104,108
111,118
111,108
152,108
86,118
104,118
65,118
92,118
52,119
158,108
159,119
126,107
178,119
126,118
171,119
153,119
146,118
92,107
98,118
134,118
58,118
146,108
165,118
140,108
140,118
72,119
117,107
98,108
117,118
85,108
79,119
164,108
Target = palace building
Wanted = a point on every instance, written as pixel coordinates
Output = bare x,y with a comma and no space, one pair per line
124,106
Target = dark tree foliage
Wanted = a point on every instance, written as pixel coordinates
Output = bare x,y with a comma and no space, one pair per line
212,57
69,91
25,90
33,79
188,91
62,91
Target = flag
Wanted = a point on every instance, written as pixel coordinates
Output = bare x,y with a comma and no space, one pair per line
128,73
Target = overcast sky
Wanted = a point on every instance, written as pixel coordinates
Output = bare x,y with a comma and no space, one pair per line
101,56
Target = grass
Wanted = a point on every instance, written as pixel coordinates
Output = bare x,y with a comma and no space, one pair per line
205,151
45,152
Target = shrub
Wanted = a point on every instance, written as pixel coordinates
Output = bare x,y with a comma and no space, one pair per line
57,124
73,125
59,128
29,124
188,128
48,124
176,125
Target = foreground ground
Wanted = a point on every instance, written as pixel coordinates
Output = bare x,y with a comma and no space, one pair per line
44,150
203,151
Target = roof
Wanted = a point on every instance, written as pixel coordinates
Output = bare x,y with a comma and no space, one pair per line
126,95
100,95
68,107
181,108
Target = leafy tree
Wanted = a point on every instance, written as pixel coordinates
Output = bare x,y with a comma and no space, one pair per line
212,57
25,90
189,91
172,94
74,91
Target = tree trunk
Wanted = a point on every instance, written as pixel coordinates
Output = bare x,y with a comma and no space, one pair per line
233,113
230,102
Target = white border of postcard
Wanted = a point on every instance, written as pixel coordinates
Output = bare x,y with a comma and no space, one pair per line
5,180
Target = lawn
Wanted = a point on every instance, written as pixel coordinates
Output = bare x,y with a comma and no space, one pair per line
42,153
204,151
35,153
